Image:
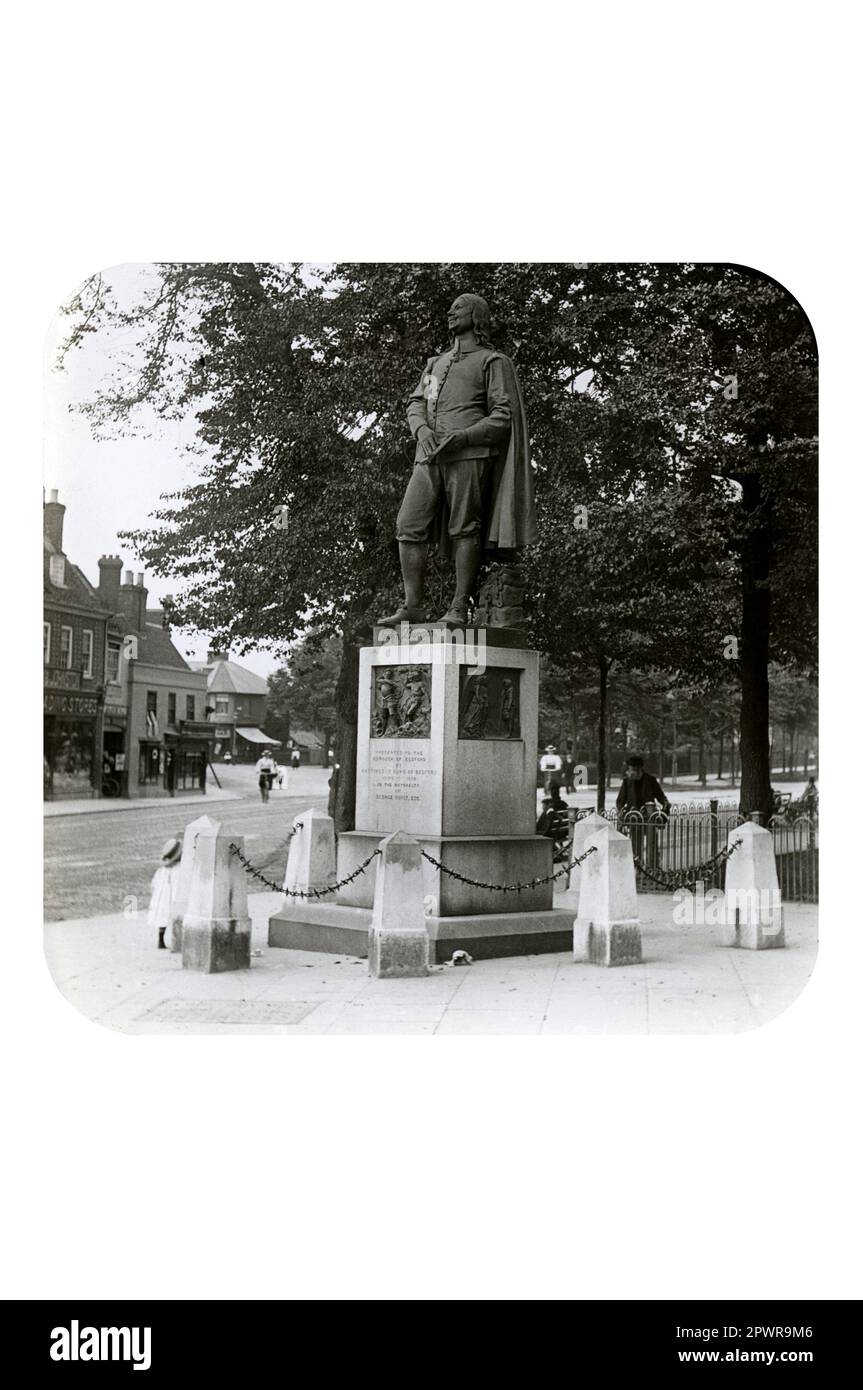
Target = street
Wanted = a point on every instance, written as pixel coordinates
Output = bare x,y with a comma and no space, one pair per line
96,862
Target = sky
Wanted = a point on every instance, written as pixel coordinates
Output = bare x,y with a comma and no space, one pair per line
114,485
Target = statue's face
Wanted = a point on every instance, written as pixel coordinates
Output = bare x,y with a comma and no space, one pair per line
459,319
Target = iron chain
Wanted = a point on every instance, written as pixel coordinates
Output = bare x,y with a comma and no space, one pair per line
302,892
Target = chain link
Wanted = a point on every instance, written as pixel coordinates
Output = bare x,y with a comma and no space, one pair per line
302,892
681,878
508,887
281,846
685,878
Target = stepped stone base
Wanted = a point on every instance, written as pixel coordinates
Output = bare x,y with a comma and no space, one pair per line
485,936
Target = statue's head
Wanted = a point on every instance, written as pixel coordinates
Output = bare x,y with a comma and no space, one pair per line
470,311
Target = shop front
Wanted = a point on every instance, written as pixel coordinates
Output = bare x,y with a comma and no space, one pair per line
71,763
115,772
175,765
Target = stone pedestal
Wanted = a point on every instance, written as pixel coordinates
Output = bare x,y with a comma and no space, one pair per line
447,752
753,902
217,928
398,940
581,833
607,930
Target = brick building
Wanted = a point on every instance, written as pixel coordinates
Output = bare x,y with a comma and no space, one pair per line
124,714
167,740
76,627
237,701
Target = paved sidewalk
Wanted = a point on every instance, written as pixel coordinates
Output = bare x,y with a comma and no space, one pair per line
110,969
115,803
238,783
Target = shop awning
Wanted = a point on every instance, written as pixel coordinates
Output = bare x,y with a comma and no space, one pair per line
255,736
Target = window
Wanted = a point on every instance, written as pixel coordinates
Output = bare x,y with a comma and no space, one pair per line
46,643
57,570
172,707
153,712
190,706
66,648
222,704
87,651
191,769
112,664
151,764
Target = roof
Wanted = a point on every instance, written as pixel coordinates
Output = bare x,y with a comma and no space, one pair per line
156,648
305,737
229,678
77,592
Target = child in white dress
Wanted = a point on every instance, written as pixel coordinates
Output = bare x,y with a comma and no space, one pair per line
163,890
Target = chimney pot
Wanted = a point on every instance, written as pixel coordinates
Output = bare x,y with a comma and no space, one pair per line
127,577
53,513
139,578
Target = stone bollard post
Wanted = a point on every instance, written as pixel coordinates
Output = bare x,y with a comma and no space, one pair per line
184,880
312,854
607,930
753,902
398,937
582,832
217,929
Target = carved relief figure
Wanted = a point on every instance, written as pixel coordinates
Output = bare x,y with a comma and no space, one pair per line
507,708
401,702
476,713
489,704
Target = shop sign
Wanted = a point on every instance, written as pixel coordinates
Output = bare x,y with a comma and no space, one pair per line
78,705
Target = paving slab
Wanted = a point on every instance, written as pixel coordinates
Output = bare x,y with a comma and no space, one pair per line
110,969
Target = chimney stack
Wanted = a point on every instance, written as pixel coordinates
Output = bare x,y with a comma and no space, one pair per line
110,567
53,512
133,600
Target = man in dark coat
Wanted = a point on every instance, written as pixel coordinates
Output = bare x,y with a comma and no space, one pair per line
637,790
471,489
638,787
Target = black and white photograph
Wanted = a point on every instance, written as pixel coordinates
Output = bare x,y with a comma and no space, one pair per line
431,648
442,428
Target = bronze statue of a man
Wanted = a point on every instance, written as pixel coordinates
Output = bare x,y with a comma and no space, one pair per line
471,489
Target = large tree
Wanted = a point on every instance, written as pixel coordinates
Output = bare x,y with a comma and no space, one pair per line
298,384
302,693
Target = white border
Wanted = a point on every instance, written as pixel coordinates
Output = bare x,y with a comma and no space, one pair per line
568,1168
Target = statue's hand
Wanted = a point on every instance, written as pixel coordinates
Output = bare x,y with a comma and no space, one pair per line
427,441
452,442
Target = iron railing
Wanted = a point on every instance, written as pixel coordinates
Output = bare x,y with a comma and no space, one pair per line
690,834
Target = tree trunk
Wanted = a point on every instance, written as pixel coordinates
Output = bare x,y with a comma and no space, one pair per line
719,756
601,749
343,784
733,760
755,792
702,765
